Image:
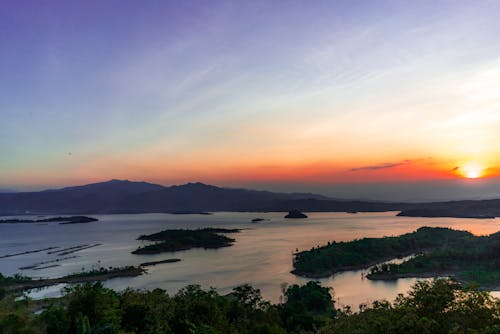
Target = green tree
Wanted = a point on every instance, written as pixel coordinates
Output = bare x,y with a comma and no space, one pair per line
57,320
307,307
99,305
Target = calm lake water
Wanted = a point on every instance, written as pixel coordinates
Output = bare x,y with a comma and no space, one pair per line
261,256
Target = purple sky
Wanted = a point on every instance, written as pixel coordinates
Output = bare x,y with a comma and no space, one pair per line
266,94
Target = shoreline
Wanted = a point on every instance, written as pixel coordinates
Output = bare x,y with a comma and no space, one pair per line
332,272
395,277
77,278
437,274
84,277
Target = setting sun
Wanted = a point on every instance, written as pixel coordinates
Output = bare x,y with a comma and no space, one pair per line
472,171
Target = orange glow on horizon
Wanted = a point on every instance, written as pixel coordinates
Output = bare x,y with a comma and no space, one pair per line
219,171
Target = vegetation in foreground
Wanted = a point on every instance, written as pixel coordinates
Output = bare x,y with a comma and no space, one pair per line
363,253
438,306
181,239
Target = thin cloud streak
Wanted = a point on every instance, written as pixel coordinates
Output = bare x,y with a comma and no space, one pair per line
381,166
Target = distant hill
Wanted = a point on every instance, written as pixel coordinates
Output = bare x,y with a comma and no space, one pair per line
97,197
122,196
203,197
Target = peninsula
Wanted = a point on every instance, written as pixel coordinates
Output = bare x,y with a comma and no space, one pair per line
474,259
60,220
21,283
451,250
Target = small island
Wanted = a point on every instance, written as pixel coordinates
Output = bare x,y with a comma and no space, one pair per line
187,212
438,242
257,220
60,220
181,239
295,214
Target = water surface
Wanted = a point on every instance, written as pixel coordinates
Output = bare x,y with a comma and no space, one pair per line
261,256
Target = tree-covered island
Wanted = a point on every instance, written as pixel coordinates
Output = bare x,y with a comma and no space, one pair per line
182,239
439,251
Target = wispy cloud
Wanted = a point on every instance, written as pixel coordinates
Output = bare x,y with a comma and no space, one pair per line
385,165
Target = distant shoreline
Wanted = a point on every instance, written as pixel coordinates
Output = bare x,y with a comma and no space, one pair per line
60,220
424,213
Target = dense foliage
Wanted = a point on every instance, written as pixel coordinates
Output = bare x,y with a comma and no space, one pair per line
338,256
90,308
176,240
475,259
438,306
432,307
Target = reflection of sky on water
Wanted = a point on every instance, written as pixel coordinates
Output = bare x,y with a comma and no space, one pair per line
261,256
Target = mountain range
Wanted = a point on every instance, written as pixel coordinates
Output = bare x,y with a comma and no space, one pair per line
123,196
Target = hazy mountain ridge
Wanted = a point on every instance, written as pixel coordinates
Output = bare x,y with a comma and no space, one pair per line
123,196
133,197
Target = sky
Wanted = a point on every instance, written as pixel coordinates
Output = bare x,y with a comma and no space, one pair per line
378,99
